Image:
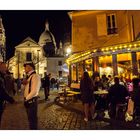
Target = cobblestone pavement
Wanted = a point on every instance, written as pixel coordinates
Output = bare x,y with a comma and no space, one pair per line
50,115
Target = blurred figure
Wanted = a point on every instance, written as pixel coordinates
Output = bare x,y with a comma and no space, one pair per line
117,95
104,81
46,85
9,83
110,81
53,83
86,87
135,96
98,85
57,83
19,85
3,91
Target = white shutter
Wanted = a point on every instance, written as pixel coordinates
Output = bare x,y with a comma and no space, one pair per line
101,25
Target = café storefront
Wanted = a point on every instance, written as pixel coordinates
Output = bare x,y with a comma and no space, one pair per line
120,59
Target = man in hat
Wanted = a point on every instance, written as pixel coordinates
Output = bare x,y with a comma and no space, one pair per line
3,91
32,87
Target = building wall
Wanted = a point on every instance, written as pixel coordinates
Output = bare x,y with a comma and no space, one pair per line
88,28
54,68
136,18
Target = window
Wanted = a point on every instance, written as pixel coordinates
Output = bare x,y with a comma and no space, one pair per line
28,56
59,63
111,24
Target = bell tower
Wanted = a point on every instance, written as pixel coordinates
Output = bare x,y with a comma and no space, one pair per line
2,42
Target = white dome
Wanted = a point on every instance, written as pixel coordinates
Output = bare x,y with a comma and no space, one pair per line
46,37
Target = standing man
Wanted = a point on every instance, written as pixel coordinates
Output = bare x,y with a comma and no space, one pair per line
32,87
3,91
47,85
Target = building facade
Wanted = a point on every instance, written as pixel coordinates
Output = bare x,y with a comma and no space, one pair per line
2,42
28,50
106,41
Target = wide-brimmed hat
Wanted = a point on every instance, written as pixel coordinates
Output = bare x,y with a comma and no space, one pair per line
30,64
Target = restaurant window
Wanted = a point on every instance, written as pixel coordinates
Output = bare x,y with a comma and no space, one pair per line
111,24
80,70
138,61
73,72
28,56
105,65
124,63
89,66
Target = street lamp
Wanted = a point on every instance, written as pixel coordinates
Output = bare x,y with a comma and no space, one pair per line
68,51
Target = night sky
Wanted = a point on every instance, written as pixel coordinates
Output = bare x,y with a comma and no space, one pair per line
21,24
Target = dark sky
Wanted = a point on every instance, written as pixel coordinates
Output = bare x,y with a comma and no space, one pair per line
21,24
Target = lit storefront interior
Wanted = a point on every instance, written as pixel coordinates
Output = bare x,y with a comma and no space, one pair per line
105,65
124,63
122,60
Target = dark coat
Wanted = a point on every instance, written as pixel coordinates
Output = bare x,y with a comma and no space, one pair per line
117,94
46,81
135,95
3,92
86,88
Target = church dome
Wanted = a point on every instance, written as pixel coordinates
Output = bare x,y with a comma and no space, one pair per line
45,37
47,41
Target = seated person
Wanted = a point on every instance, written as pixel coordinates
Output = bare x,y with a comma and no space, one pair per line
117,95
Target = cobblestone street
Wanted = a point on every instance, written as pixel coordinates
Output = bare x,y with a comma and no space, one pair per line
50,116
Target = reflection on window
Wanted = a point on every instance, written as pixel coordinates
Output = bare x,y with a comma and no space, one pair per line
138,61
89,67
73,72
105,63
80,70
124,64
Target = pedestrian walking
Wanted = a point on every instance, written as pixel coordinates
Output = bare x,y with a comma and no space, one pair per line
3,91
86,87
32,87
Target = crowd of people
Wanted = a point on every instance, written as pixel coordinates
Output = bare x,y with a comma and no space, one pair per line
120,91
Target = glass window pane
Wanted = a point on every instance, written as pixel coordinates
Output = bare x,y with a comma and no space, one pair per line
73,72
138,61
124,63
80,70
105,63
